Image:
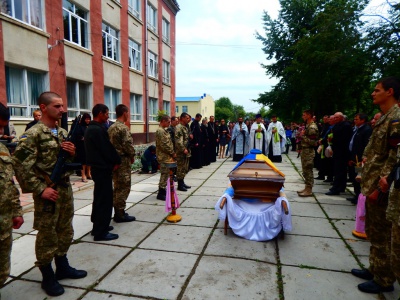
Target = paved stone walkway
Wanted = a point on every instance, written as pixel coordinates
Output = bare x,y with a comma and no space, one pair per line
192,259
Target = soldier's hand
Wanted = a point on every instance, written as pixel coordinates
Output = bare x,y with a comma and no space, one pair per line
185,151
383,184
174,155
49,194
69,147
17,222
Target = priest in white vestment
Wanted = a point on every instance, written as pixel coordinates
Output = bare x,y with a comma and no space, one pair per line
258,135
240,140
276,140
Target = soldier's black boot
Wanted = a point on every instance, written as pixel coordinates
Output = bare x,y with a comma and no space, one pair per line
121,216
181,186
49,282
64,270
162,193
185,185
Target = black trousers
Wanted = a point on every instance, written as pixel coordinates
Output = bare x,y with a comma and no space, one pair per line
102,201
340,174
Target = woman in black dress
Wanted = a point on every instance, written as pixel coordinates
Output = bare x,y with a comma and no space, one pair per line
80,146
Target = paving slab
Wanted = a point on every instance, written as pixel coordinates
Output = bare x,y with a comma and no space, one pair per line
23,290
96,259
312,227
360,247
23,255
200,201
84,211
345,228
198,175
148,213
234,246
27,227
144,187
318,252
81,203
177,238
82,225
320,284
150,273
306,209
340,212
136,197
209,191
107,296
325,199
86,194
217,278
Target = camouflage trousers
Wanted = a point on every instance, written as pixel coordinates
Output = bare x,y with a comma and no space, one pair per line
378,230
307,164
182,162
164,176
5,252
395,250
122,184
55,231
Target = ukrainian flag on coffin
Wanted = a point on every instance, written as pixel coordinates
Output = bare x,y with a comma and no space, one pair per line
256,154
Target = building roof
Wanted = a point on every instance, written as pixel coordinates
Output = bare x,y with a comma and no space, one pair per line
173,5
190,99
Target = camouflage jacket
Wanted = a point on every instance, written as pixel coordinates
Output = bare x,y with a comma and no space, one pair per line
381,150
36,156
164,146
181,140
10,206
121,138
393,209
310,136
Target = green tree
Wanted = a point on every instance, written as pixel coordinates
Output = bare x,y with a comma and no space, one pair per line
238,112
223,109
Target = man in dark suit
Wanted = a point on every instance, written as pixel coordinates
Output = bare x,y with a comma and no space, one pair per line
361,134
342,133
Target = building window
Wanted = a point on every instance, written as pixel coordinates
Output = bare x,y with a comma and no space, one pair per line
177,108
134,7
27,11
152,65
112,98
110,42
79,100
134,55
165,31
151,18
184,108
153,109
75,24
166,72
23,88
167,107
136,107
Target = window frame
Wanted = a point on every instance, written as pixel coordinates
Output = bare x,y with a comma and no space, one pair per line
78,109
80,19
12,12
131,56
166,31
167,106
166,72
110,104
151,18
184,108
106,35
133,99
153,109
134,8
153,65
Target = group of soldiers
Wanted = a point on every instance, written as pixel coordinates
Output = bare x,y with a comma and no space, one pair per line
39,150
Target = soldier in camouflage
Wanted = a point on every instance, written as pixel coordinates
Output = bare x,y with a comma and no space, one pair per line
121,138
380,157
182,151
34,158
10,206
309,140
165,152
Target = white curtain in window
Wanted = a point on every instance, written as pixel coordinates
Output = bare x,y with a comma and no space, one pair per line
35,86
71,95
36,13
16,92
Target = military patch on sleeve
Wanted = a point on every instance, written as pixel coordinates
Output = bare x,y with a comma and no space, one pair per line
23,154
22,137
395,122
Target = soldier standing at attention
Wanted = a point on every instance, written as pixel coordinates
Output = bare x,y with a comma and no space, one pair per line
309,140
34,158
120,137
182,151
10,206
379,159
164,151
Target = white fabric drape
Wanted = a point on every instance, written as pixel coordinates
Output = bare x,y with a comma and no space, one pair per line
255,220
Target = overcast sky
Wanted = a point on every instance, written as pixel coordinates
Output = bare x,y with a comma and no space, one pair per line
217,52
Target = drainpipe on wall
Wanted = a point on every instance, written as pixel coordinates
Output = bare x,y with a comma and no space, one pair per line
146,75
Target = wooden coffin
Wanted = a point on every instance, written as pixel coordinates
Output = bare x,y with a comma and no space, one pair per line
256,179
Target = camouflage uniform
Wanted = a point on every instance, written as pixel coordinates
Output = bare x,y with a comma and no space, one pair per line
34,158
308,142
10,208
121,139
164,152
393,215
381,157
181,143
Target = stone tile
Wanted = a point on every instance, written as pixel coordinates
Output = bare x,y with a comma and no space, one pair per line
360,247
256,280
107,296
27,227
143,187
84,211
364,260
16,236
151,180
345,228
150,273
148,213
130,234
178,238
200,202
198,175
209,191
86,194
135,197
306,210
340,212
325,199
314,251
313,227
152,200
197,216
96,259
22,255
318,284
194,183
234,246
82,225
81,203
22,290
